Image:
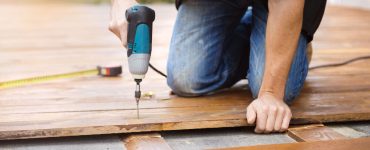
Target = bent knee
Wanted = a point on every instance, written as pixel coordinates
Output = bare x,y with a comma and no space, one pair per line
255,76
183,86
292,89
291,95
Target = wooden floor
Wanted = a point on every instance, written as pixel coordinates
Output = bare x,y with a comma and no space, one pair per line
57,38
357,144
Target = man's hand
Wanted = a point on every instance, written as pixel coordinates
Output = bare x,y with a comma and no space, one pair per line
269,113
284,24
118,23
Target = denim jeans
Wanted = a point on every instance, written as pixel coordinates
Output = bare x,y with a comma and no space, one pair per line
217,43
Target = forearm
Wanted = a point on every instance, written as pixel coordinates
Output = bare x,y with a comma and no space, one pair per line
282,33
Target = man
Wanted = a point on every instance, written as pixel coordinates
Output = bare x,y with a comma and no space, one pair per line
216,43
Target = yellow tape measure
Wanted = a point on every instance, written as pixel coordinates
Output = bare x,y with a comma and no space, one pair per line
102,71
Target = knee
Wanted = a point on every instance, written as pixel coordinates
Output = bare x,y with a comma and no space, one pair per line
293,86
255,76
183,83
291,94
184,87
292,89
298,72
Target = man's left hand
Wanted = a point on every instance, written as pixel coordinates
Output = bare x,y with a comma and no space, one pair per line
269,113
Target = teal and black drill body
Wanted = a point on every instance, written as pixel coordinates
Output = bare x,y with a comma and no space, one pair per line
139,39
139,44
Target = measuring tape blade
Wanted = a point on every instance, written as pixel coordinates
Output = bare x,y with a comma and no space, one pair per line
102,71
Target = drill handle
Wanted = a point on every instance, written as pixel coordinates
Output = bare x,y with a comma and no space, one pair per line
140,24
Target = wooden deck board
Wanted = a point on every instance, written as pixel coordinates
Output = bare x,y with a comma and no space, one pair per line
314,132
152,141
50,115
95,105
357,144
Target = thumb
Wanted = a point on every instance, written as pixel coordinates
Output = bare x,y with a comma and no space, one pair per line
251,114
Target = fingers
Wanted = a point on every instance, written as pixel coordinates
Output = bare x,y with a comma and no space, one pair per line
270,114
261,119
123,37
286,120
114,29
272,111
279,118
120,30
251,114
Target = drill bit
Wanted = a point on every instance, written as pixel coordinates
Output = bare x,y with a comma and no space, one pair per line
137,108
137,97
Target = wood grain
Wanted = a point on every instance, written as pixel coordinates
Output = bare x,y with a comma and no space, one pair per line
80,108
349,144
314,132
145,141
79,40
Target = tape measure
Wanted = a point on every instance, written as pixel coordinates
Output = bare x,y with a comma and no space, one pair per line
101,71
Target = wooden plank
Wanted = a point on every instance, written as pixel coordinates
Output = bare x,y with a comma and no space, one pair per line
105,112
145,141
56,108
348,144
314,132
93,105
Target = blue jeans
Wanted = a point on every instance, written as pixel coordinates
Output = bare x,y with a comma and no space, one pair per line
217,43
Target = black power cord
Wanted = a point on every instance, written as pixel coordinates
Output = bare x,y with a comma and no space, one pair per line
341,63
311,68
156,70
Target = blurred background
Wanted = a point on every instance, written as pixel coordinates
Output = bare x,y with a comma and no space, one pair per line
41,37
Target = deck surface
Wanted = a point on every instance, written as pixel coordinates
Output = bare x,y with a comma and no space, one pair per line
358,144
74,37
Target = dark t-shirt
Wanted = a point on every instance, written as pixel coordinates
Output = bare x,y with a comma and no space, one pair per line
312,16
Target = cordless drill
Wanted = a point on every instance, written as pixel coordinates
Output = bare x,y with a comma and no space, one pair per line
139,44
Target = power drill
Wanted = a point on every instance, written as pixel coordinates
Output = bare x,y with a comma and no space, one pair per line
139,44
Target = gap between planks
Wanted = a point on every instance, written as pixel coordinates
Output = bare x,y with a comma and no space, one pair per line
145,141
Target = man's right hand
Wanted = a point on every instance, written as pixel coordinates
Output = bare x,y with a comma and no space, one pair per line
118,23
